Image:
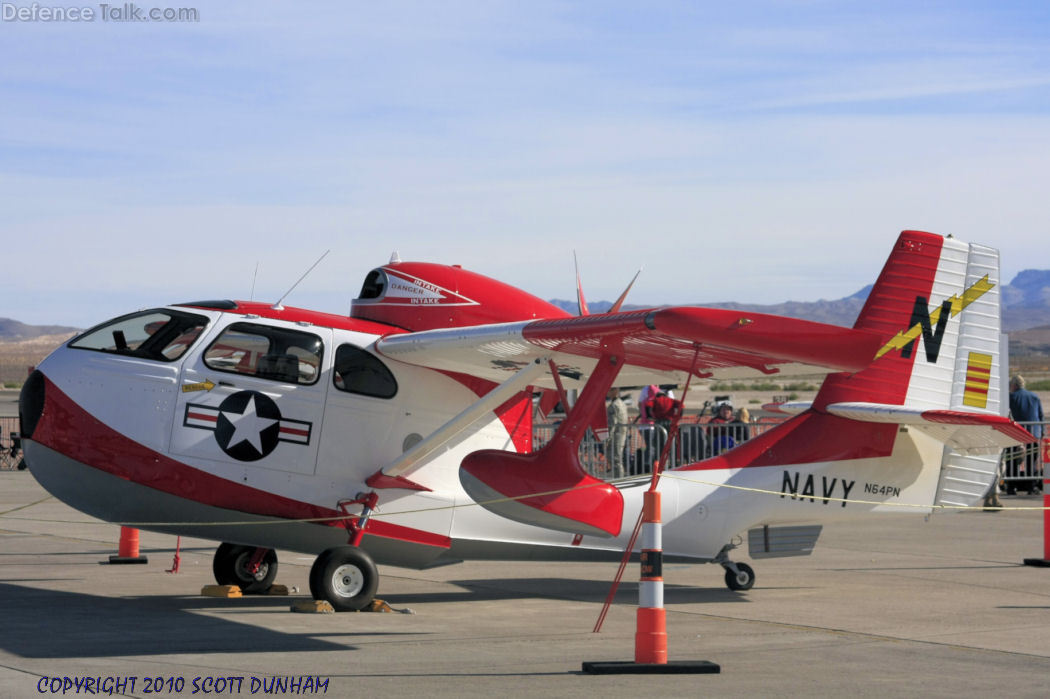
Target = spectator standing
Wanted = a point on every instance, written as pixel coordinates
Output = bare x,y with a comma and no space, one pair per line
1027,409
616,416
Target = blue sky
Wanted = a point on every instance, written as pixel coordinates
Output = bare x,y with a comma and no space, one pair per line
757,151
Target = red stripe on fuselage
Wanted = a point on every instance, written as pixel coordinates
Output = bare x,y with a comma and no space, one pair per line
70,430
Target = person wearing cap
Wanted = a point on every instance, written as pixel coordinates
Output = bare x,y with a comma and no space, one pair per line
719,431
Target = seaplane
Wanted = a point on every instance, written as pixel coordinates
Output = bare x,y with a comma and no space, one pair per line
402,433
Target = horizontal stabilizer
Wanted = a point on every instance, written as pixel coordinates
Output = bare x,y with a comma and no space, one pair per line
967,432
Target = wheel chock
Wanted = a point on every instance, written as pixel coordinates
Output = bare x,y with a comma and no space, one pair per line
379,605
313,606
278,591
226,591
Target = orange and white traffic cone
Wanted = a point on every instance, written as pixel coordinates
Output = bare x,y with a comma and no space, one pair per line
128,549
650,638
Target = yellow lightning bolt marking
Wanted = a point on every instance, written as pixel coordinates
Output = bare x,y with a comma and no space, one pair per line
901,339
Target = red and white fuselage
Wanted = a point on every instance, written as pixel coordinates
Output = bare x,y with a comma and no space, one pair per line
251,424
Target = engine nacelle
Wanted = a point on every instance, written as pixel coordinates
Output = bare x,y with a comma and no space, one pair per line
420,296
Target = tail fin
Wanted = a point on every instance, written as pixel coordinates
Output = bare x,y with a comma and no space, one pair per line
937,304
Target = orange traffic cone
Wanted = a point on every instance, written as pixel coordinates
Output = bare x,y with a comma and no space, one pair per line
128,550
650,638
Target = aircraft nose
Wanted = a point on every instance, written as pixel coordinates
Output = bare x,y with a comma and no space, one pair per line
31,403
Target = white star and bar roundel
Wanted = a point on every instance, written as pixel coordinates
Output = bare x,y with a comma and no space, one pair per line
248,425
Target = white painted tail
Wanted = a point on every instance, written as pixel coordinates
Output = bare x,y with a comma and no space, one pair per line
938,303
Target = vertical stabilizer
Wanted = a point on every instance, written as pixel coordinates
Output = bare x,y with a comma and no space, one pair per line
936,303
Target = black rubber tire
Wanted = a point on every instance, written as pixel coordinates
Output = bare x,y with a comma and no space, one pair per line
230,567
735,583
346,577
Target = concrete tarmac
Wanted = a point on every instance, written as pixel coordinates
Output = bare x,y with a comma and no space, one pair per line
887,606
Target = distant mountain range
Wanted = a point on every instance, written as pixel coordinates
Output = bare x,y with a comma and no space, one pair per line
1026,304
13,331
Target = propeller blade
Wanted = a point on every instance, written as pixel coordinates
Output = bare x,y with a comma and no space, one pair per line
619,302
580,301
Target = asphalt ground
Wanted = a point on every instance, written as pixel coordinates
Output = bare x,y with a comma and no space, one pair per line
888,606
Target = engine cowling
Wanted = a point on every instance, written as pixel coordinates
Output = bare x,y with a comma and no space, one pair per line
425,296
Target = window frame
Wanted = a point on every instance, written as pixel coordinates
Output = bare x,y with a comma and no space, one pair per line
373,361
270,333
153,346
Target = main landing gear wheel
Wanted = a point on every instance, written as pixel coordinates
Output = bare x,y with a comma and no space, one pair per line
231,563
346,577
741,579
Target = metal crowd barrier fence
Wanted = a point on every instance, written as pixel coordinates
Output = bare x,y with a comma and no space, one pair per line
631,450
1021,468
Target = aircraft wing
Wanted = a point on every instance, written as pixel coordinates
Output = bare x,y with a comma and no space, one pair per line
657,346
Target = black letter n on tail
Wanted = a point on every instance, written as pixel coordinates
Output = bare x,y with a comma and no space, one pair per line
931,339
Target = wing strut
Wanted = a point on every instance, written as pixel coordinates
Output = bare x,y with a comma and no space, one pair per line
653,483
549,488
465,419
562,395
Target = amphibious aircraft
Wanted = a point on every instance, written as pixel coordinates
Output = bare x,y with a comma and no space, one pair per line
402,433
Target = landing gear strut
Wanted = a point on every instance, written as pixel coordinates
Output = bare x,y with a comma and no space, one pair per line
252,569
739,576
346,576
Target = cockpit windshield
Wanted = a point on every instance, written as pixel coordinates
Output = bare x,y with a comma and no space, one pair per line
161,334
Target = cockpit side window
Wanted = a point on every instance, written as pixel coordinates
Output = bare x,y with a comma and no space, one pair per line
357,371
162,334
267,352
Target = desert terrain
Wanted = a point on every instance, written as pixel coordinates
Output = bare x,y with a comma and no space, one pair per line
17,357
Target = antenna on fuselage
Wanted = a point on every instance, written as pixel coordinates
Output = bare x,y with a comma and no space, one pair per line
277,306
